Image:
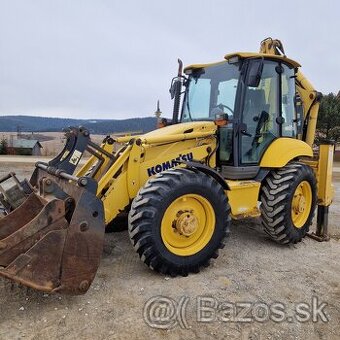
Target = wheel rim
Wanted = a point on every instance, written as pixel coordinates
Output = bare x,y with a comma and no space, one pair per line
301,204
188,225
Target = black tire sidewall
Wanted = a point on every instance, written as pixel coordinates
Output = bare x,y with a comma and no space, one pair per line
308,176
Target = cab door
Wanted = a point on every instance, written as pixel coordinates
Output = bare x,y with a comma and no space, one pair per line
260,111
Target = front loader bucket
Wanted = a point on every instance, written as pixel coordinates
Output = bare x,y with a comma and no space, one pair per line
53,242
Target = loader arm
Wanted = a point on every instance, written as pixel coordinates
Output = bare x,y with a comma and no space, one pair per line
142,157
52,236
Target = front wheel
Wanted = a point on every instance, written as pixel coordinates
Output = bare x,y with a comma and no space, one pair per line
288,200
178,221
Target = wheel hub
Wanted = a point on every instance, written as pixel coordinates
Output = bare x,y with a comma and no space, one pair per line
187,223
301,204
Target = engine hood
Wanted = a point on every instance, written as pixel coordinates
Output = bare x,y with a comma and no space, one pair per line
187,128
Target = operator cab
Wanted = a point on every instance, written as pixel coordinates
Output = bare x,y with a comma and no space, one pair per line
256,96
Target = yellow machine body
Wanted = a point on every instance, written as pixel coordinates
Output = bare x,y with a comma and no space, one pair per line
159,150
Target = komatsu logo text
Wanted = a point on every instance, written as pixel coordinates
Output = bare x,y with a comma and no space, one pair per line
169,164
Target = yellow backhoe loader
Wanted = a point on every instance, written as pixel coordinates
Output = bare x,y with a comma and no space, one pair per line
240,144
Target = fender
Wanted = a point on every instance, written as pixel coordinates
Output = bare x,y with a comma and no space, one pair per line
283,150
208,171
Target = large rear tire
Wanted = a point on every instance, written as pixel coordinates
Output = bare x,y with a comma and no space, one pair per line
178,221
288,200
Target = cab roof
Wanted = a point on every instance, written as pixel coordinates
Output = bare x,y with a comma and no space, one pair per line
244,55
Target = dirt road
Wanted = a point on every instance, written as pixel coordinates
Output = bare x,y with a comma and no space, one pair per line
251,269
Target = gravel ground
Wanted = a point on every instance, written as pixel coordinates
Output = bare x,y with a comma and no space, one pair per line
251,269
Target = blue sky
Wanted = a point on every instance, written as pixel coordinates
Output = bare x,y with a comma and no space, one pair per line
114,59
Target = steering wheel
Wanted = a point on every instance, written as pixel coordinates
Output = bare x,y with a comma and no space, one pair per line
221,106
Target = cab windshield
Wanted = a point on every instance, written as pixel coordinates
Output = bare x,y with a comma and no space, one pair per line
211,91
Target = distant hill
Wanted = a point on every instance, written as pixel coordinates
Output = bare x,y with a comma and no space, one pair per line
99,126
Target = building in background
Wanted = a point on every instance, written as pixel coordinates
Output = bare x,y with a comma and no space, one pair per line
28,147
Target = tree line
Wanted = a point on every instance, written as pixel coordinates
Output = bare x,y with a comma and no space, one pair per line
99,126
328,124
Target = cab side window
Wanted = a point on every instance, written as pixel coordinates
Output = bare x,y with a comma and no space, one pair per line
289,127
261,108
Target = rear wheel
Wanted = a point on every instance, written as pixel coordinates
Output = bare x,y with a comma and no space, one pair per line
288,201
178,221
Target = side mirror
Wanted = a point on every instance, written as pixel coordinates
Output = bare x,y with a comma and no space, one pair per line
175,84
175,92
254,72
